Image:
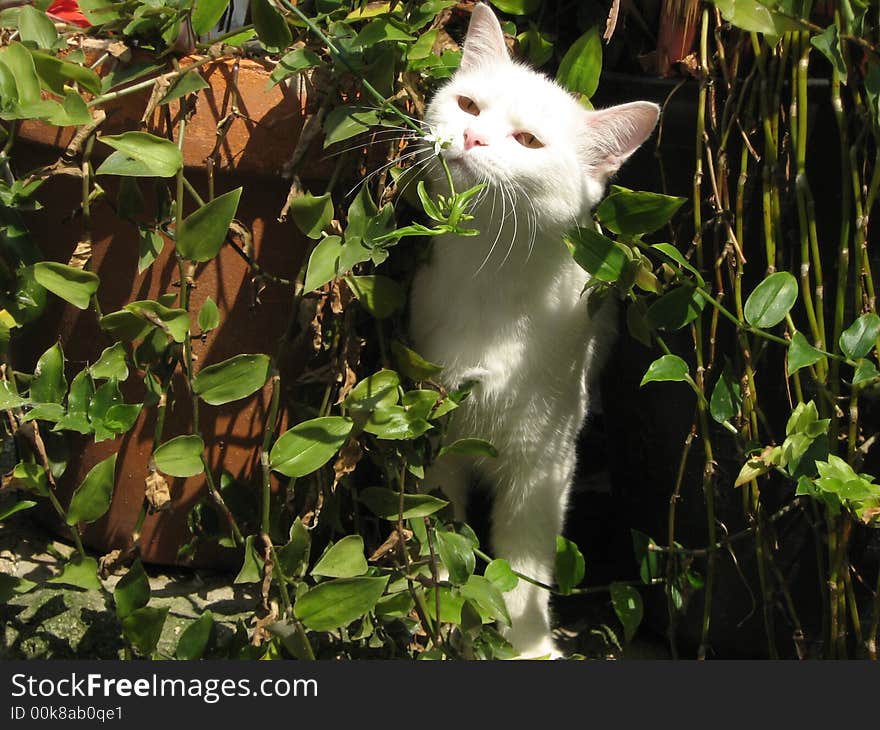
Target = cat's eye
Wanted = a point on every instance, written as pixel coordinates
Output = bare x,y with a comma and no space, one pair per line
468,105
527,139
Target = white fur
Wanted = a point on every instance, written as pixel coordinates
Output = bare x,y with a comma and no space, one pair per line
505,308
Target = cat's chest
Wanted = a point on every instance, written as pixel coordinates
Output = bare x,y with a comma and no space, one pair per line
523,323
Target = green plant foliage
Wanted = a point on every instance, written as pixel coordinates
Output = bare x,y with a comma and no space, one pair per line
388,504
201,235
312,214
142,628
181,456
345,559
132,592
233,379
73,285
140,154
860,337
771,300
92,497
194,639
570,565
309,445
81,572
628,606
581,65
667,367
338,602
636,212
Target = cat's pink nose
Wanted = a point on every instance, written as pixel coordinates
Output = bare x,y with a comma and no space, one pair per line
474,139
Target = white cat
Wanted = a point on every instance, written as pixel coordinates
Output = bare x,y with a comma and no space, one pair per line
506,309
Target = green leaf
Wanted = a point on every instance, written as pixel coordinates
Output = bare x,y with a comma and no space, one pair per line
581,65
189,83
385,503
36,27
79,571
666,367
536,46
771,300
378,31
150,245
598,255
866,372
16,507
345,122
201,236
500,575
206,14
232,379
338,602
140,154
48,384
92,498
570,566
670,251
633,212
174,322
133,590
181,456
309,445
209,316
32,477
627,604
801,354
413,365
20,63
676,308
294,556
292,63
195,638
470,447
252,564
828,43
396,423
72,285
323,263
379,390
345,559
517,7
143,628
647,559
8,398
861,336
312,213
271,27
379,295
111,364
754,16
457,553
56,72
487,596
726,397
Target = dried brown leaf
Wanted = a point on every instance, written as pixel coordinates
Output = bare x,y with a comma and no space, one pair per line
157,492
390,545
347,460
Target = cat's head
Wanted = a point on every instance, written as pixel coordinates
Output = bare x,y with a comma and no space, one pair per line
512,127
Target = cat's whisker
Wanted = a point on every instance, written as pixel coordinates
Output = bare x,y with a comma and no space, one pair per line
414,173
374,141
534,228
384,167
497,235
513,198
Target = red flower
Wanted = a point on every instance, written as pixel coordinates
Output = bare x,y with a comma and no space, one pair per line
68,11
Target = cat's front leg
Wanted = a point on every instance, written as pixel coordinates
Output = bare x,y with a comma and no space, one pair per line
527,514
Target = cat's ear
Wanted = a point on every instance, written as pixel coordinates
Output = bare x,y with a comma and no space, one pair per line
484,42
613,134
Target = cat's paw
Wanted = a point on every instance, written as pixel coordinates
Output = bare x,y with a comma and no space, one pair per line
544,648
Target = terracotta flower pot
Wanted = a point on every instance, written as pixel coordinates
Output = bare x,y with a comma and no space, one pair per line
256,144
